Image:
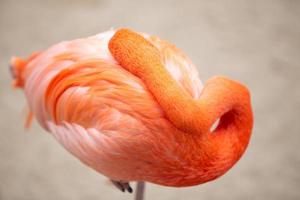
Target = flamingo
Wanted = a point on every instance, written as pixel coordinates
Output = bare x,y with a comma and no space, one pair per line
131,106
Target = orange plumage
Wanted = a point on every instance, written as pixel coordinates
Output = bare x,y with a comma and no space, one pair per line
132,107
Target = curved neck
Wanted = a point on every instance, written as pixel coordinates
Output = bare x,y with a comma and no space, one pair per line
221,98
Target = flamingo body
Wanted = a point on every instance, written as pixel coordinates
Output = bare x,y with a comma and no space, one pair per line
98,102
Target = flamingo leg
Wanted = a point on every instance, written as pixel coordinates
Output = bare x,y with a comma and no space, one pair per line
140,188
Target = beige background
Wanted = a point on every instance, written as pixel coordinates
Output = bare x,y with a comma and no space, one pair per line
255,42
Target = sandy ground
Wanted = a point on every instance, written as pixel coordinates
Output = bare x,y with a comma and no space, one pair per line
255,42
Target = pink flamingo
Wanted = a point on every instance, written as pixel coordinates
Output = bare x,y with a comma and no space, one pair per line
132,107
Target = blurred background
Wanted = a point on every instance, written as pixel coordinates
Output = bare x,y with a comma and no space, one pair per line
255,42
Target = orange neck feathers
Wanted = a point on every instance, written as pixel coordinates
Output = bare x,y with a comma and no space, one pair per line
221,98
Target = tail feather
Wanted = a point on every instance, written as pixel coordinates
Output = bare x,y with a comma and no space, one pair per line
17,66
28,120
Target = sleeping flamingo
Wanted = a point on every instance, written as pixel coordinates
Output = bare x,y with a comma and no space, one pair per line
131,106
